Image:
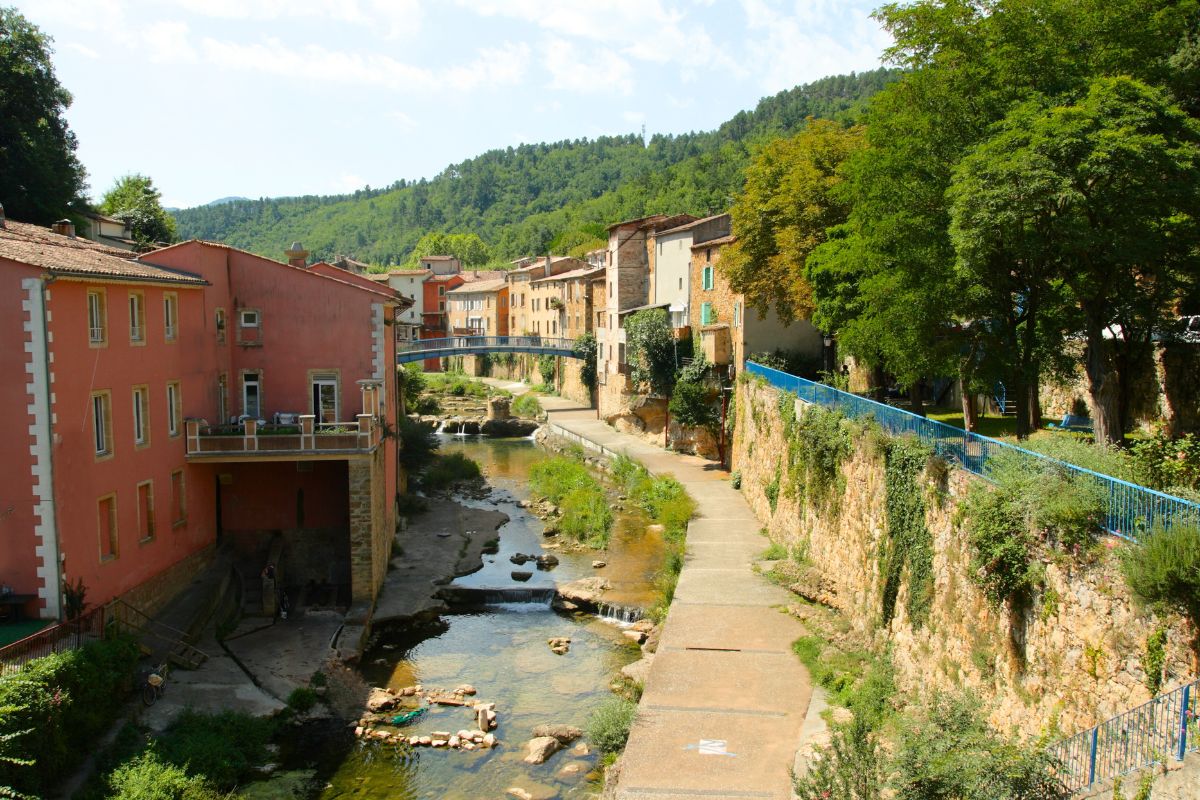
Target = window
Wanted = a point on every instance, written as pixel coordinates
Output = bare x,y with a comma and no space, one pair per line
220,326
141,426
97,317
707,254
681,284
610,290
106,518
441,305
251,395
102,423
441,291
249,319
137,318
708,278
707,317
145,510
325,397
178,498
170,316
737,315
174,408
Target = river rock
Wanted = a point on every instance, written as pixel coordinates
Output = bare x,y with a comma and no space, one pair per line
541,748
465,688
520,558
585,592
565,734
655,528
380,700
635,636
572,770
489,740
521,575
454,741
547,561
598,564
639,670
643,625
581,749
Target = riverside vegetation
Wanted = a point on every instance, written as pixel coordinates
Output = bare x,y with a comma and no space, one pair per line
925,743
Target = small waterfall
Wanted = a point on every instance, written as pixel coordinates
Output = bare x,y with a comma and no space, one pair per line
441,428
621,615
533,596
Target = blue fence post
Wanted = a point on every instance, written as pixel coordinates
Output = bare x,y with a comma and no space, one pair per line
1184,709
1092,757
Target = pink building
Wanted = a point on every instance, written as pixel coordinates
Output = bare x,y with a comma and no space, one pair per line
196,394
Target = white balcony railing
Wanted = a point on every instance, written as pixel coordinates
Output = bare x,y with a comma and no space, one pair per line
251,438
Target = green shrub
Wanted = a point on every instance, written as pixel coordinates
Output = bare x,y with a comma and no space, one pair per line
908,549
418,444
64,701
1154,658
302,699
1169,465
147,777
854,678
527,406
735,479
608,727
1001,563
223,748
774,552
555,477
948,751
1164,570
1066,506
587,516
546,368
851,767
448,469
818,444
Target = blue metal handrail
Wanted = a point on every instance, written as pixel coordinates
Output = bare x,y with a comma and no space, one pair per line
1165,727
418,349
1131,509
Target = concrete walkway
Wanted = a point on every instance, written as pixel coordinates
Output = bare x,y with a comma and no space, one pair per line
725,701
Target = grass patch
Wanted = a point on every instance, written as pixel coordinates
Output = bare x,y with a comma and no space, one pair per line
857,679
663,498
586,511
527,406
456,384
774,552
302,699
608,727
448,469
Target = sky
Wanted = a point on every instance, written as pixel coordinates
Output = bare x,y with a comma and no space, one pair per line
268,98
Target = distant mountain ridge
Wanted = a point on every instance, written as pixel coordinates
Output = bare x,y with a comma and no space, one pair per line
223,200
522,199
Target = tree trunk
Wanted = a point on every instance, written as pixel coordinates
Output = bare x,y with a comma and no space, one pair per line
878,378
1102,387
970,420
1020,393
1035,406
916,395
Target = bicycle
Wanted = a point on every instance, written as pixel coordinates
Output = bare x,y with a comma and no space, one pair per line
155,684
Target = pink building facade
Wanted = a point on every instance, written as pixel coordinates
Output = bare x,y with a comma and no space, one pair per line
194,395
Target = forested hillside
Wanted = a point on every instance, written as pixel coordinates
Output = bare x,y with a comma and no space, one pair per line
529,198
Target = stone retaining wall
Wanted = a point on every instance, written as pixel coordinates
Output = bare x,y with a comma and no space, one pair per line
1083,637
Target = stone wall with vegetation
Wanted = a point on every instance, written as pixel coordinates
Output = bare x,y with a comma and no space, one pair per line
883,542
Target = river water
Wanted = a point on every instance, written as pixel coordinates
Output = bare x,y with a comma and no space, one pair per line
501,650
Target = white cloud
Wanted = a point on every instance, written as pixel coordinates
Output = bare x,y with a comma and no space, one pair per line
403,121
577,69
167,43
315,63
494,66
82,49
633,117
394,18
809,40
347,182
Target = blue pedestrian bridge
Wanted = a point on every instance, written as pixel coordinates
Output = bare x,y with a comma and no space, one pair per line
421,349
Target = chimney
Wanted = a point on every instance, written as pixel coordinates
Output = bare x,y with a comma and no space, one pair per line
297,256
64,227
1,216
548,273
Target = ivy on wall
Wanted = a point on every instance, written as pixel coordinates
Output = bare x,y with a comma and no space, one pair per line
819,443
907,551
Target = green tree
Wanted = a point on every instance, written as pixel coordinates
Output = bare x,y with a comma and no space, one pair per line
41,179
1094,201
468,248
650,351
136,201
789,201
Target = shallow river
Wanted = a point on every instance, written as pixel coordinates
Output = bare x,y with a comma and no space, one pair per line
501,650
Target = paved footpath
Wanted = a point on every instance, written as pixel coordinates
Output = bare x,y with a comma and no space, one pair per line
725,700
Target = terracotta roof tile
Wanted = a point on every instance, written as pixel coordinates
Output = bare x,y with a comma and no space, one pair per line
67,256
479,286
575,274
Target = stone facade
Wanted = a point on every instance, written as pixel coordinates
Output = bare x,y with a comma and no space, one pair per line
372,526
1079,660
479,308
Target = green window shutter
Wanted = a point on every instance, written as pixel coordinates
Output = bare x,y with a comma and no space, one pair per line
706,314
708,278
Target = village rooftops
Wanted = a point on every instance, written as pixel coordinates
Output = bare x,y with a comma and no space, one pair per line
730,239
689,225
659,221
75,257
646,307
479,287
575,274
438,258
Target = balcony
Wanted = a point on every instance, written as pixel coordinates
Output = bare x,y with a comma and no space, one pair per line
254,440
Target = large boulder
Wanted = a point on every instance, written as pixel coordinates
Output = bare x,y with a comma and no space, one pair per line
541,748
565,734
381,700
584,593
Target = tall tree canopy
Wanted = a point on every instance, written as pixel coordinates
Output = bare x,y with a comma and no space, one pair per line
788,203
466,247
41,179
135,200
891,281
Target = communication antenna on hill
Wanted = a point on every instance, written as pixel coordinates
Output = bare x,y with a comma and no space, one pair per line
643,134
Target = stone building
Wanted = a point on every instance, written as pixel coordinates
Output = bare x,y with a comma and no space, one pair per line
479,308
561,305
728,331
521,306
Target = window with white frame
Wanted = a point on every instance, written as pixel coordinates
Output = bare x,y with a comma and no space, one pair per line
249,318
252,395
170,316
97,317
141,425
137,317
102,423
174,408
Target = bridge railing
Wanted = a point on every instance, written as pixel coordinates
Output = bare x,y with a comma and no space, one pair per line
1163,728
484,343
1131,510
